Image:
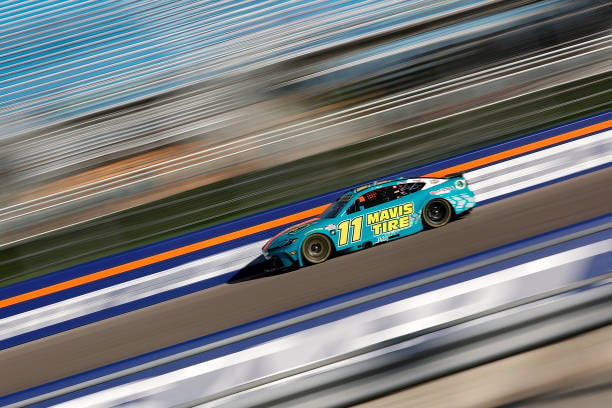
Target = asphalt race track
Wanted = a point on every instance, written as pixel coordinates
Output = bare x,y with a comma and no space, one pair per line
225,306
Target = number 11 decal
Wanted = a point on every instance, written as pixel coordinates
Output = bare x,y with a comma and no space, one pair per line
344,226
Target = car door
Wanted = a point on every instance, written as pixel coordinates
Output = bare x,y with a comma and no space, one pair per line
392,214
361,224
350,227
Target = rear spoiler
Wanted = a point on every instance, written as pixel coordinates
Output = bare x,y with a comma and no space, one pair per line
453,175
456,176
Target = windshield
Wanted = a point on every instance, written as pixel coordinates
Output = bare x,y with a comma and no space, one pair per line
333,210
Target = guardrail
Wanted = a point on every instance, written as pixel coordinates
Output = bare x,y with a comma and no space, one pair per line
175,267
403,364
415,309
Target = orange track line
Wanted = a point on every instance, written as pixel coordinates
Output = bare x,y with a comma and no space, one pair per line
285,220
161,257
522,149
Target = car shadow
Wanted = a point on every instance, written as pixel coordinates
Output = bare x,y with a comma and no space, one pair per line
462,215
258,268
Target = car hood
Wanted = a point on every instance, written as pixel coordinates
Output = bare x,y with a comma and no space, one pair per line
290,233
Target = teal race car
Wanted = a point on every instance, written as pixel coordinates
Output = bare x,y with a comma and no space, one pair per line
369,215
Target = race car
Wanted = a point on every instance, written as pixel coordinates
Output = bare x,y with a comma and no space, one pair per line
371,214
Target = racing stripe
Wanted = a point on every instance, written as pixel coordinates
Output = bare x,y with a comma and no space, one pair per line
522,149
163,256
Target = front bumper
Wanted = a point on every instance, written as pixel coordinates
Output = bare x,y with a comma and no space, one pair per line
281,258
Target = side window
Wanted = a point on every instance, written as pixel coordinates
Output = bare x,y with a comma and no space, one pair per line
380,196
355,206
409,188
371,199
383,195
365,201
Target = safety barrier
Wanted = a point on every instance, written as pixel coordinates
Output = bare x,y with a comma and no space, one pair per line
416,308
176,267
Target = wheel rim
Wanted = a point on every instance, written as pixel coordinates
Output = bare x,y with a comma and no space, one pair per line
437,212
316,249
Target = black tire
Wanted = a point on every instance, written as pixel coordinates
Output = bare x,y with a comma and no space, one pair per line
317,248
437,213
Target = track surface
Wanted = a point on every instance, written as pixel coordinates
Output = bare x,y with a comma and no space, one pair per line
225,306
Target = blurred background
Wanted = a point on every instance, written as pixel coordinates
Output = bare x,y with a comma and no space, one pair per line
126,122
238,106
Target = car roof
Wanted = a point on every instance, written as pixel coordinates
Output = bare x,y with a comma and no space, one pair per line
378,184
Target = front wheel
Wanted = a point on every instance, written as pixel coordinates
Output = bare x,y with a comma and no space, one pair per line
437,213
316,248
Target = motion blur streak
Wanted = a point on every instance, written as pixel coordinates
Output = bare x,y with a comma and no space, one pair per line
291,355
491,182
129,291
161,257
170,323
523,149
116,103
604,138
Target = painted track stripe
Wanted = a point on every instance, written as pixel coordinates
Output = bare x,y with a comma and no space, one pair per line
163,256
479,265
522,149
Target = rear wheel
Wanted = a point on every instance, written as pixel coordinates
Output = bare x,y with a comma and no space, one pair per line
437,213
316,248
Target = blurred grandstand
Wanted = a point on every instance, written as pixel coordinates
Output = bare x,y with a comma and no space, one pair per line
111,104
123,123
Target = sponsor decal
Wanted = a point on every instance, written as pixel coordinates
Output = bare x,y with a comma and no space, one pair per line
442,190
331,228
382,238
390,219
460,184
345,227
298,227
